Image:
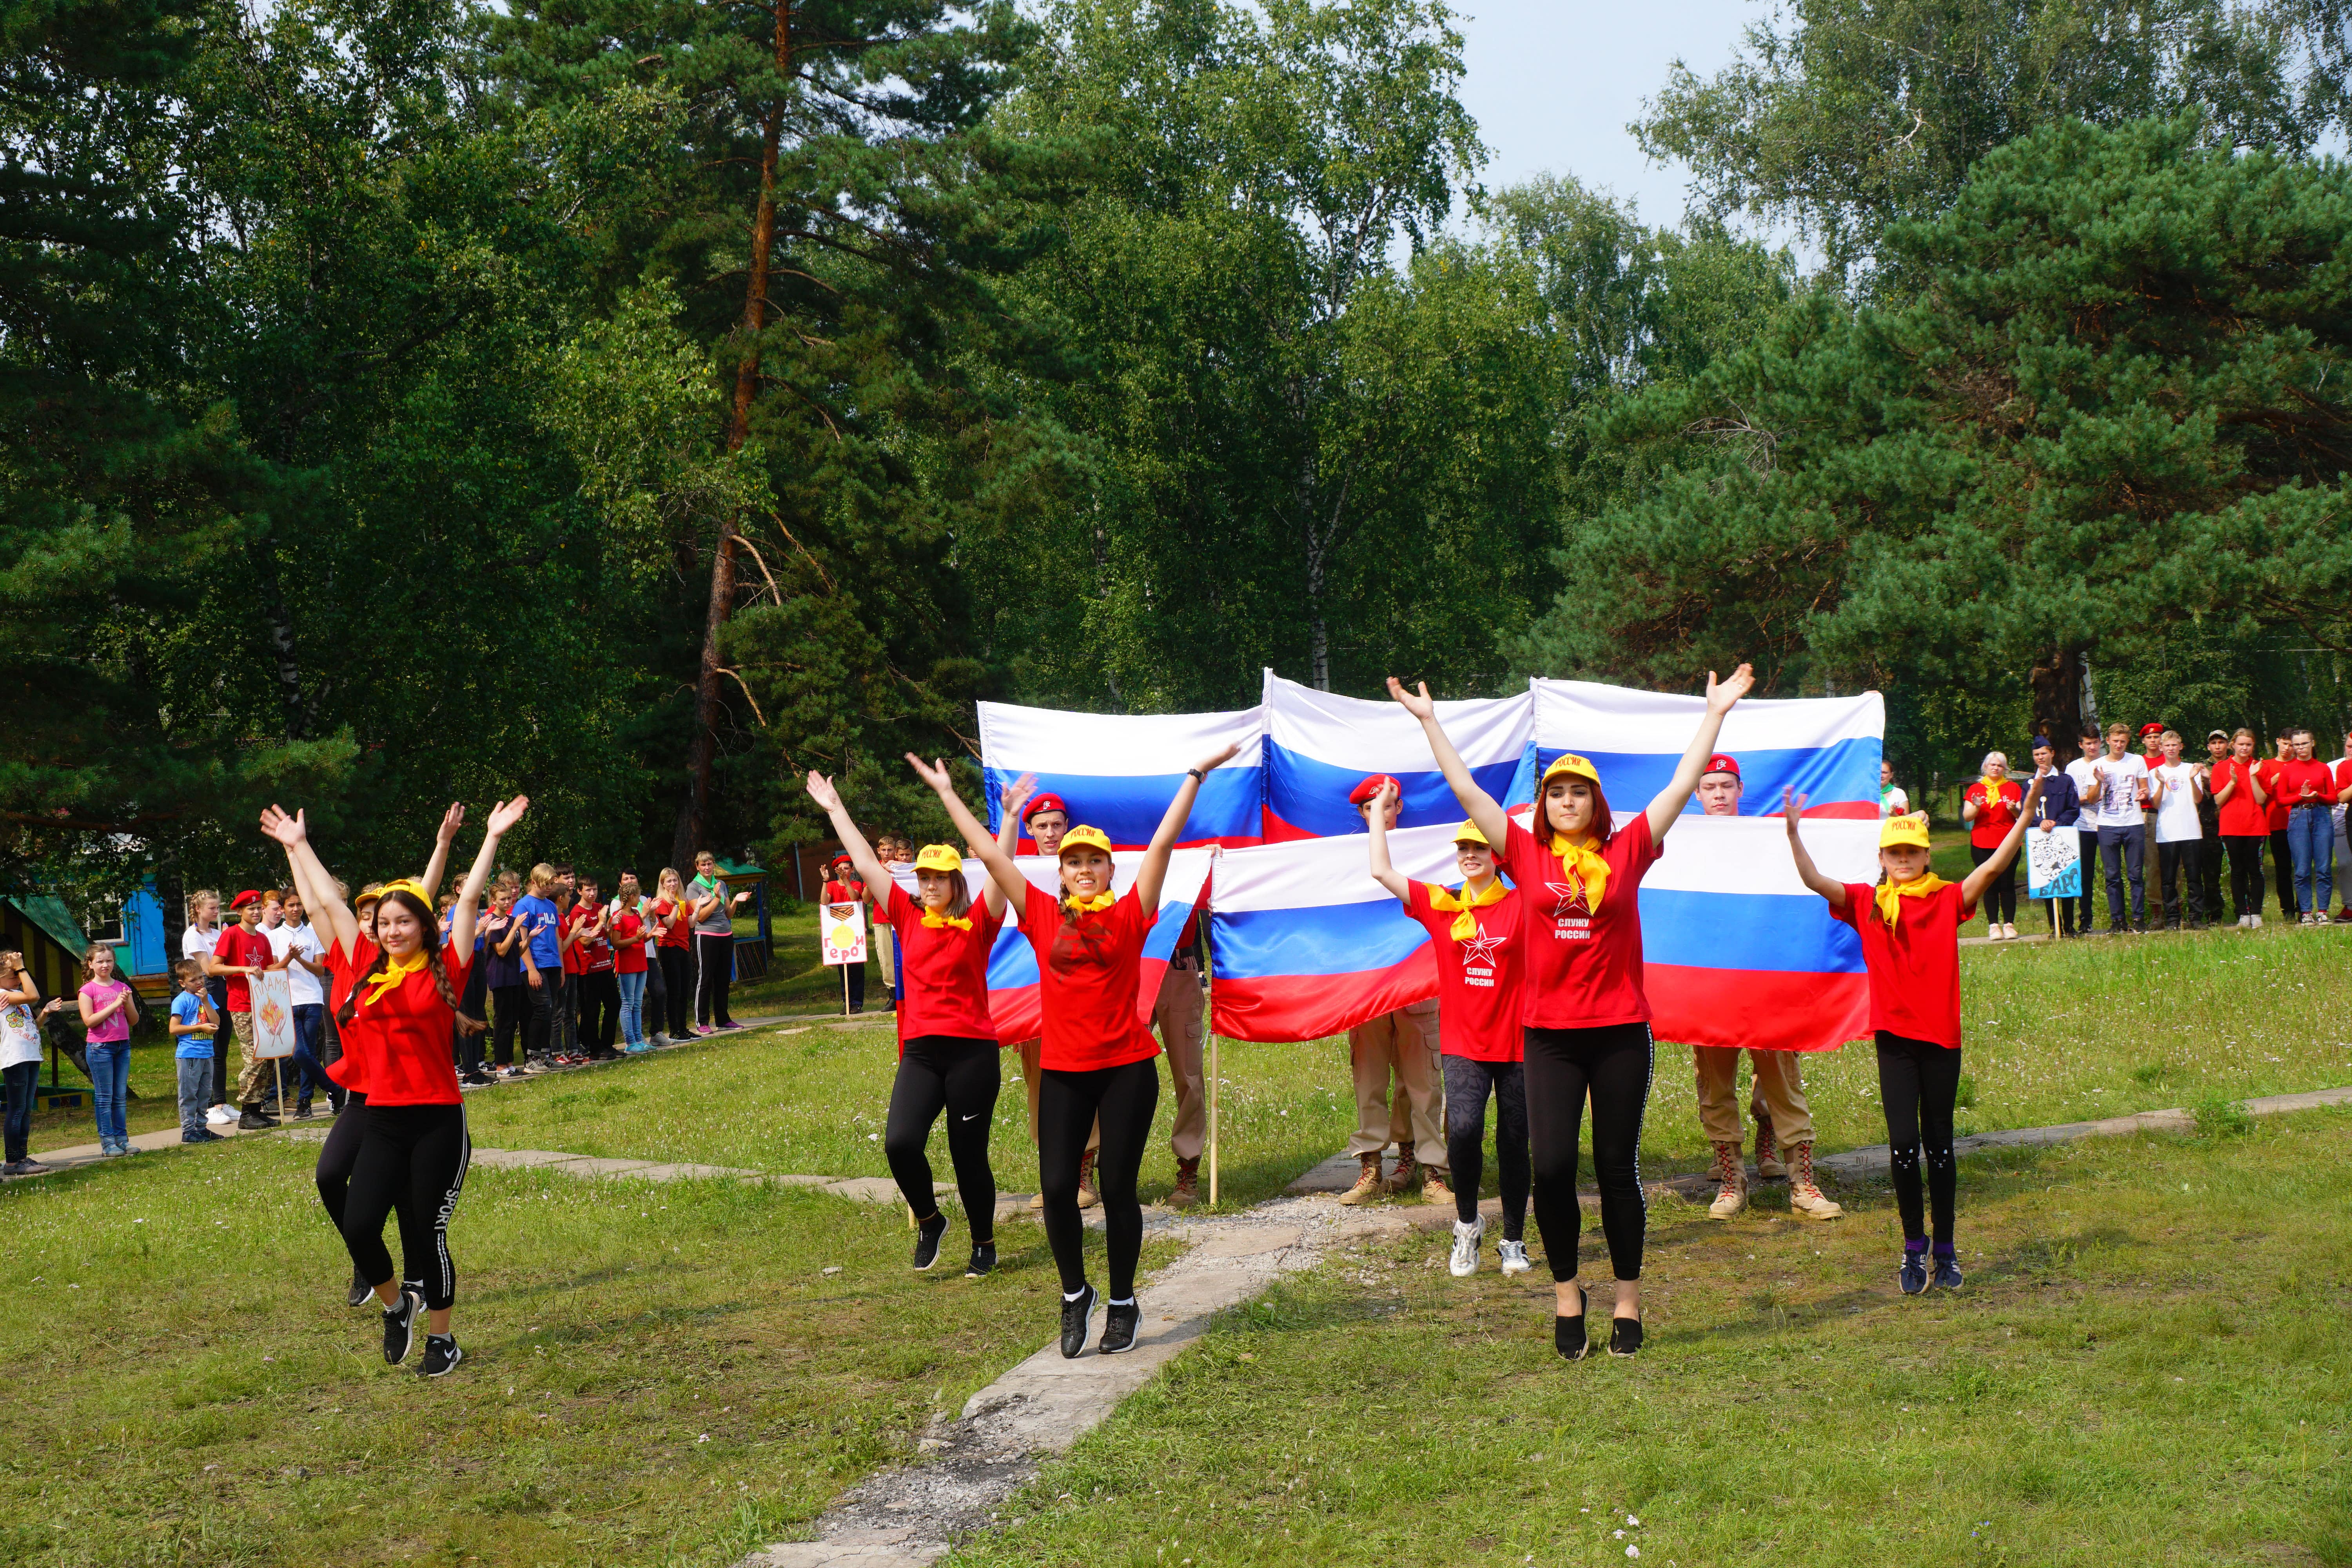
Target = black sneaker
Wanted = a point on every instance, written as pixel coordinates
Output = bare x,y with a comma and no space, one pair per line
1078,1317
361,1292
200,1135
253,1121
984,1260
302,1111
400,1327
1625,1336
1948,1272
1119,1325
441,1353
1914,1277
926,1240
1567,1335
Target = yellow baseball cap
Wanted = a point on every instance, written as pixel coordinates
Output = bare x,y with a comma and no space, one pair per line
1082,836
409,885
939,857
368,895
1570,763
1910,829
1468,833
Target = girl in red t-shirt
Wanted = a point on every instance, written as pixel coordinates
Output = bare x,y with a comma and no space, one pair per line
2242,794
1910,928
674,951
842,887
1989,806
1474,936
1096,1052
947,1041
413,1149
1587,1022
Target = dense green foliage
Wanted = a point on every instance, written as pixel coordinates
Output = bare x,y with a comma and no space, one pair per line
640,402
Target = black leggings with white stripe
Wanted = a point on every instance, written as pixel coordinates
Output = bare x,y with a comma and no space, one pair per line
714,966
412,1162
1610,1065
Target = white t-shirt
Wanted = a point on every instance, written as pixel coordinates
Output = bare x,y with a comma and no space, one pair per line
199,944
2085,791
2175,814
1893,802
20,1035
2119,798
307,990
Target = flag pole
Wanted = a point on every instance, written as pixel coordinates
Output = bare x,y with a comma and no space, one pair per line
1209,951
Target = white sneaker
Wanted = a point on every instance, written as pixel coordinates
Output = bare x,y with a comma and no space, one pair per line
220,1115
2258,922
1515,1258
1465,1260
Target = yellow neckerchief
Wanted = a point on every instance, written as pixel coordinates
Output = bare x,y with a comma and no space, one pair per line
1465,924
1891,894
1580,863
394,971
935,919
1993,788
1079,906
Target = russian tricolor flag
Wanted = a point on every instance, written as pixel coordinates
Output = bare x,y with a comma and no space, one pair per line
1826,748
1013,1001
1319,747
1119,770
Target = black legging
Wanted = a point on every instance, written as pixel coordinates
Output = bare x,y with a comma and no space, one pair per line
2281,867
411,1161
2000,901
2088,844
1067,1104
2245,852
338,1155
677,987
1612,1064
1468,1084
714,967
942,1072
1918,1084
539,1027
600,1011
510,1005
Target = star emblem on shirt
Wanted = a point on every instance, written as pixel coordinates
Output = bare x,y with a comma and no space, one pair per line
1568,899
1480,949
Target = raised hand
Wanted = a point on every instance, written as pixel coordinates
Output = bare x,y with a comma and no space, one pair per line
451,820
1382,799
287,830
821,791
1225,754
503,815
1016,795
932,773
1722,694
1792,806
1417,702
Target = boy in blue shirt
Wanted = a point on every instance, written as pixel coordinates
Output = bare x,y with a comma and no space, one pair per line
542,962
194,1025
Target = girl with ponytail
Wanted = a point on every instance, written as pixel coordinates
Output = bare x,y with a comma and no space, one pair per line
400,1005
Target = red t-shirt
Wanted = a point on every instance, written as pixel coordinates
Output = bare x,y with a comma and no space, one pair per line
628,943
946,990
2273,780
675,921
1089,973
1996,812
590,955
2242,816
238,946
349,1069
1915,968
2343,776
1583,967
1477,977
408,1056
2294,778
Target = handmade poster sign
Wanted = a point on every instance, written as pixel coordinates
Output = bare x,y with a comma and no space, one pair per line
273,1014
842,933
2054,864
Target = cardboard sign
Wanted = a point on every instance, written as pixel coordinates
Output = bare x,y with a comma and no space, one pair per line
273,1014
841,932
2054,864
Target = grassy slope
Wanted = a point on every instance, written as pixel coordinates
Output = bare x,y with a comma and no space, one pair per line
2146,1363
654,1373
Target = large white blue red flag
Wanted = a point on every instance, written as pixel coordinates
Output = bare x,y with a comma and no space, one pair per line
1826,748
1319,747
1117,772
1013,1001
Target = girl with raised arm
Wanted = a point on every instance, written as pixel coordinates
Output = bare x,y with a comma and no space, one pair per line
413,1147
1095,1056
1587,1022
947,1041
1910,929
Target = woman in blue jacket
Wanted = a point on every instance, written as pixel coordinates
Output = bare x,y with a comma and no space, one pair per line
2059,804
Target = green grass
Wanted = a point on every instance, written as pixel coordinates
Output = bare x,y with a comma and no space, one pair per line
654,1373
2146,1365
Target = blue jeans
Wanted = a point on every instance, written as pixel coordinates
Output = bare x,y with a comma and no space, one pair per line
2121,849
632,1007
310,1034
109,1074
2311,836
195,1089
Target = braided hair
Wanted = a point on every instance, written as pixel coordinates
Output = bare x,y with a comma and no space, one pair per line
426,921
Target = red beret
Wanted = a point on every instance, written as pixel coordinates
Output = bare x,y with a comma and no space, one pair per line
1048,802
1371,786
2153,727
247,896
1720,763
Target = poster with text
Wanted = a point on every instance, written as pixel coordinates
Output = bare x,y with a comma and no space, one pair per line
842,933
2054,864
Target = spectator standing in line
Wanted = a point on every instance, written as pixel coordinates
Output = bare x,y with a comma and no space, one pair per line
2274,786
20,1064
839,888
542,963
504,953
2151,750
295,948
2122,780
1989,806
241,953
897,857
1892,801
197,939
2309,785
674,948
565,1048
2343,828
2244,806
2086,824
2180,838
652,985
108,1009
2209,824
714,943
2055,810
627,927
600,986
193,1025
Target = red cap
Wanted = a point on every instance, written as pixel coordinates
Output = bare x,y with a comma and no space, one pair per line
1048,802
1371,786
1720,763
247,896
841,859
2153,727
